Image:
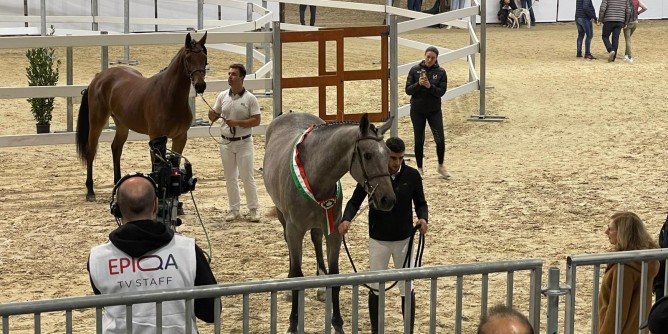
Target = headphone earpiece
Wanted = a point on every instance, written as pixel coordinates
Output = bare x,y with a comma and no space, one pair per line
113,205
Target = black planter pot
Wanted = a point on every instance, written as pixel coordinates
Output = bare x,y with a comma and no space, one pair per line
43,128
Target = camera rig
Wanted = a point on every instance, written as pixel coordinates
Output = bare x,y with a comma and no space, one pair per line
170,179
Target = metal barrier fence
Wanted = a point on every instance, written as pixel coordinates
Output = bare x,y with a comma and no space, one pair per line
273,287
595,260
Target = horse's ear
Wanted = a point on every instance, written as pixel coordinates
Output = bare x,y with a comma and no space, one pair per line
364,123
388,124
203,39
188,41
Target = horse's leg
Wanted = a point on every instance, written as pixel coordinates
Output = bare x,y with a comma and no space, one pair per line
117,147
89,128
179,142
294,237
333,249
316,238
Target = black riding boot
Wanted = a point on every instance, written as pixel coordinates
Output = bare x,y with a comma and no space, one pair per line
373,312
403,304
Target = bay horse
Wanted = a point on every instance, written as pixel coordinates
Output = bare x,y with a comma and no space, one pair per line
156,106
304,160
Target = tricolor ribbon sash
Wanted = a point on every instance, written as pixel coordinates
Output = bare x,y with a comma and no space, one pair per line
299,177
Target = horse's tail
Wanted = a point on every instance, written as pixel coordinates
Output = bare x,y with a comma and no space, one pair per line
83,127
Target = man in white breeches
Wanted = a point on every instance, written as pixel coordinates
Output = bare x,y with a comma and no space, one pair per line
240,112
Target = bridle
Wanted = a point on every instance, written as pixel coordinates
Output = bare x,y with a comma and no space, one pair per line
367,179
186,66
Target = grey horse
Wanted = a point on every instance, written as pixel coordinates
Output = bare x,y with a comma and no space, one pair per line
303,161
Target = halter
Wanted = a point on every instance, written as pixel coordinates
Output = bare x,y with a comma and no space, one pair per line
367,179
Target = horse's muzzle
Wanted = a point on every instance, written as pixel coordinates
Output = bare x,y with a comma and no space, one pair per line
385,203
200,87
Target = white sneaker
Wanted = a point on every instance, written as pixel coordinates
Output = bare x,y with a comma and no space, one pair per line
626,57
232,215
630,60
611,56
441,170
253,216
421,172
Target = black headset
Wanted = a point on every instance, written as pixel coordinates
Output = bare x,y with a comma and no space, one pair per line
113,205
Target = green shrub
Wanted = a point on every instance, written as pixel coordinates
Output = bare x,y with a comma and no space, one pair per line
42,72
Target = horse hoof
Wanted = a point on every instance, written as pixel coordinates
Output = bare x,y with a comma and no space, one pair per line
321,294
90,198
180,212
287,296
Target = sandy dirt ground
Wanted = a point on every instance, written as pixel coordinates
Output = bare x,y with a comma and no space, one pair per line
582,140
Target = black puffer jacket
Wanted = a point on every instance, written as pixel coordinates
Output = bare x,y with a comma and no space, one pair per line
426,100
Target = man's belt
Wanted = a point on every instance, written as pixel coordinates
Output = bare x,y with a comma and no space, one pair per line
235,138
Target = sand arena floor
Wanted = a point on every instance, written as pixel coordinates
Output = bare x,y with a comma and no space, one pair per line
583,139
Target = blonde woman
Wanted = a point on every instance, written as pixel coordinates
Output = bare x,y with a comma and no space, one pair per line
626,232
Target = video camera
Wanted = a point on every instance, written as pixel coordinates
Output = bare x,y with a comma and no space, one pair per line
170,179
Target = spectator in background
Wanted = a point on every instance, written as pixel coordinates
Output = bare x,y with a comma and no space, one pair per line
528,4
658,317
506,7
502,319
302,13
584,15
415,5
626,232
615,15
659,281
637,8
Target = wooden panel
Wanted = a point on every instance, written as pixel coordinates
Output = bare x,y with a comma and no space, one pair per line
339,75
304,82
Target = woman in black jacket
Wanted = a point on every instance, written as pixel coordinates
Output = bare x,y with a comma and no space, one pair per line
426,84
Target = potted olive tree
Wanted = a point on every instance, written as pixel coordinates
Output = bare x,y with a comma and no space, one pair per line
42,71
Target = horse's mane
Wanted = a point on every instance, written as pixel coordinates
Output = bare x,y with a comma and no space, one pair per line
331,126
196,48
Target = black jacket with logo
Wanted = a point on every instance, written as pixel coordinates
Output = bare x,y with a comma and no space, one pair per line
426,100
396,224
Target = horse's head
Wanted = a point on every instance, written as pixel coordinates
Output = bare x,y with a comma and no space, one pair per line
195,62
369,165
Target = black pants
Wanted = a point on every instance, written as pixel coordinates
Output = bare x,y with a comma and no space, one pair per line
614,29
435,120
302,12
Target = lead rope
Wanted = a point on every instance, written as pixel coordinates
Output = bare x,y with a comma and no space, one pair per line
233,130
418,256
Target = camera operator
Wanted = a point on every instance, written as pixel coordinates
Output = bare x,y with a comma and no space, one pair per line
145,255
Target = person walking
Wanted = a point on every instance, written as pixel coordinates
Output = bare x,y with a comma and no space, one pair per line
615,15
390,231
585,14
127,263
426,84
637,8
240,112
302,14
